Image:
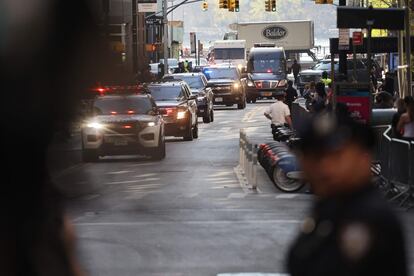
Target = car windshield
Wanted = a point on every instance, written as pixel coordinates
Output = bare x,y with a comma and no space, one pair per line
266,63
165,93
229,53
195,82
172,62
122,105
324,66
221,73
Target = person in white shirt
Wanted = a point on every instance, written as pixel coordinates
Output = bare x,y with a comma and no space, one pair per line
278,112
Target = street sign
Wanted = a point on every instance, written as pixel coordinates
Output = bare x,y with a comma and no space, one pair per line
357,38
193,42
147,7
154,20
389,18
343,39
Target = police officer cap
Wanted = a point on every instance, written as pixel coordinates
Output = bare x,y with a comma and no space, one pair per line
330,130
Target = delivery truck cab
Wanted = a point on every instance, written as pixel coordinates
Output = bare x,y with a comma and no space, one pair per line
266,72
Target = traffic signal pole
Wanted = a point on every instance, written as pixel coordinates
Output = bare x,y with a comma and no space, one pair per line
165,35
342,54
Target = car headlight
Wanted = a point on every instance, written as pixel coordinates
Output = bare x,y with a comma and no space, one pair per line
250,83
151,124
236,85
282,83
240,66
181,115
95,125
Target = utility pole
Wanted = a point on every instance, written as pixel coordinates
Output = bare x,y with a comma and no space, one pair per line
342,54
165,35
134,38
408,47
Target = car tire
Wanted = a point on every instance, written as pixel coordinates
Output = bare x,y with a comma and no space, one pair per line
195,131
212,116
207,117
189,135
241,105
159,153
254,100
89,155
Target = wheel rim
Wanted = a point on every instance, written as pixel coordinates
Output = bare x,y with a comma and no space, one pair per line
284,183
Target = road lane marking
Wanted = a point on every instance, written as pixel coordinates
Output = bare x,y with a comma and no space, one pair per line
119,172
252,274
286,196
193,222
123,182
132,181
145,175
236,195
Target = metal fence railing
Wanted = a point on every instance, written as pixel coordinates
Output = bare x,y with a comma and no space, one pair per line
396,158
248,160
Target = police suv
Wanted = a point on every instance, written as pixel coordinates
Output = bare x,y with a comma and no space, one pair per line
122,125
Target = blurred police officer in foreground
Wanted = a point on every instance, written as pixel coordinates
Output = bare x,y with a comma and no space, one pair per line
50,54
351,230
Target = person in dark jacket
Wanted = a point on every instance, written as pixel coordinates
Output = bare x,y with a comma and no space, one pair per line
291,94
295,68
351,230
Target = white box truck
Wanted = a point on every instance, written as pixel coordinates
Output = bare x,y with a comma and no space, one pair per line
293,36
232,52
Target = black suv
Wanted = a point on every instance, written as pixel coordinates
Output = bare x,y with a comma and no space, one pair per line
198,86
178,106
227,85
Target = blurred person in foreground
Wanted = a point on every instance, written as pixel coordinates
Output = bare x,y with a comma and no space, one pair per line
48,61
351,230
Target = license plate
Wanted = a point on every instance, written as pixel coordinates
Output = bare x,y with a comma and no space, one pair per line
120,142
218,100
266,94
117,141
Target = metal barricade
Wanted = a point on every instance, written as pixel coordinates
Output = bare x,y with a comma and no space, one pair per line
248,160
400,169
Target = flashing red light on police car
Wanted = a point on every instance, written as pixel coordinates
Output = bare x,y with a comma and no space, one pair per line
127,126
269,71
131,112
169,111
114,112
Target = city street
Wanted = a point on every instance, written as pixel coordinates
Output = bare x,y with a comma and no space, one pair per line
185,215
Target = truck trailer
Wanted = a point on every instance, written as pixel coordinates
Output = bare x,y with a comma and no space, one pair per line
294,36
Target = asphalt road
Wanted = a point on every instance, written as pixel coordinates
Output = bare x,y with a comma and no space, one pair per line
185,215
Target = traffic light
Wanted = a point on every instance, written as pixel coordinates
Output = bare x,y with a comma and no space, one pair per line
223,4
323,1
273,5
268,5
232,5
205,6
236,6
